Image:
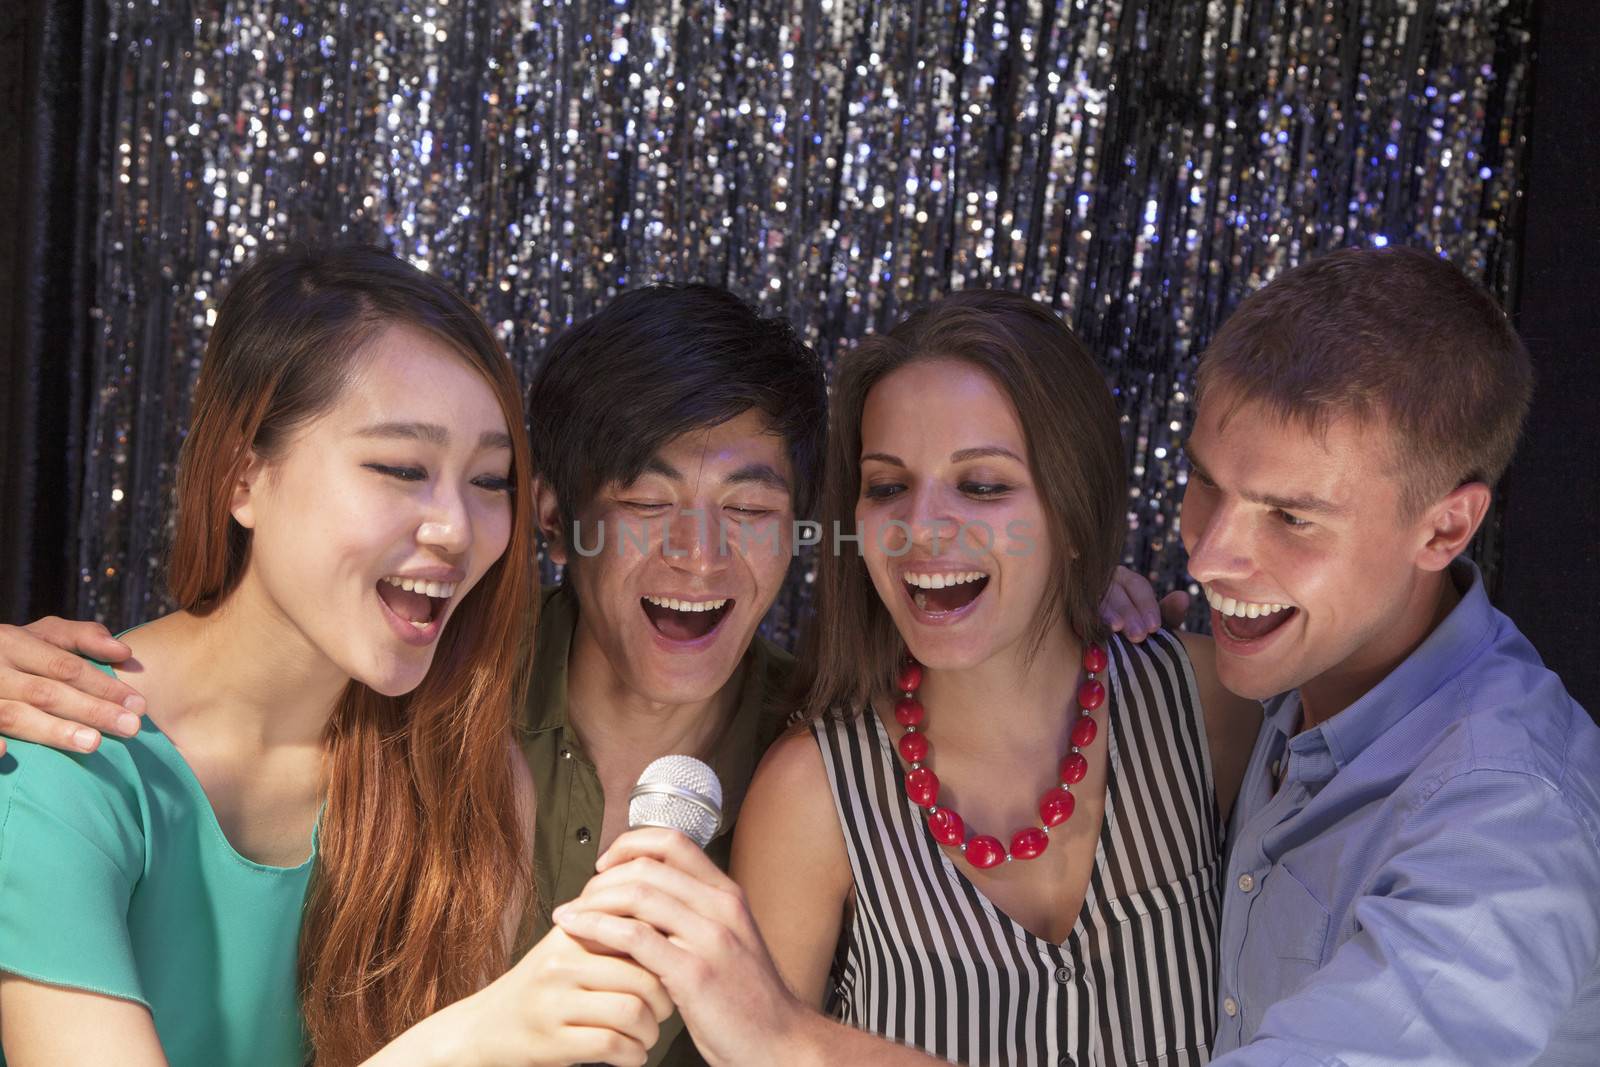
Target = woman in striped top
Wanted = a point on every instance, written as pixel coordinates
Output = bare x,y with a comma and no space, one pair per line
1068,914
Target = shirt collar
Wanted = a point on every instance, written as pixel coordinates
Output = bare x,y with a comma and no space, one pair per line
736,749
1441,656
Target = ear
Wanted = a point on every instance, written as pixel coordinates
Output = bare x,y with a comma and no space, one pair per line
547,513
242,506
1450,523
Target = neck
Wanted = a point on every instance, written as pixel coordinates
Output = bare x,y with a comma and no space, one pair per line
248,664
623,729
1009,700
1432,598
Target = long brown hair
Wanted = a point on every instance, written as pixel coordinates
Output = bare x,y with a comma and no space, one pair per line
420,849
1074,449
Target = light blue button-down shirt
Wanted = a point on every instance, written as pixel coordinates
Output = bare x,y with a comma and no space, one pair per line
1424,888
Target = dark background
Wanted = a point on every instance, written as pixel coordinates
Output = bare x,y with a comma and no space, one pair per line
1547,579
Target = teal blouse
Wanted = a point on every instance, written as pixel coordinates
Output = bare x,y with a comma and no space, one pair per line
115,877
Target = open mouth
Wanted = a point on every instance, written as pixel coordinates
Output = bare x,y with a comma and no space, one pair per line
415,601
684,620
942,594
1244,620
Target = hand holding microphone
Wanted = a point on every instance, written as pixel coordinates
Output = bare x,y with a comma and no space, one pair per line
659,900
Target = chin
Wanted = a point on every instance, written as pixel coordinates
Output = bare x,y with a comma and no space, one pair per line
663,684
1251,684
396,678
946,651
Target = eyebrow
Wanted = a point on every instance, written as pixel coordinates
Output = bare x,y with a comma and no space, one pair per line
965,454
750,474
1306,503
430,432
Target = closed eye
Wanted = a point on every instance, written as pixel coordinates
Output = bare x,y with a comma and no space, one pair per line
404,474
1290,520
981,489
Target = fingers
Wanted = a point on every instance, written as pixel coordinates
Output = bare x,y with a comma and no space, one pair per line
1120,613
1129,605
615,974
1174,609
590,1044
89,638
647,902
46,678
667,846
638,940
620,1013
559,961
1143,597
23,722
720,902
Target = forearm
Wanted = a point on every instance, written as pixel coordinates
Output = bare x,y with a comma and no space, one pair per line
822,1042
430,1043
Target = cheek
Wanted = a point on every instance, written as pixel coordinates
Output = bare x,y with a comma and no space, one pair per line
766,549
493,533
883,535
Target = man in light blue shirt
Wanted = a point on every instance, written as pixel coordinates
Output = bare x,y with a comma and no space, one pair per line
1414,859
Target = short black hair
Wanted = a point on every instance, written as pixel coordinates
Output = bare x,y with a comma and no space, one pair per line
660,361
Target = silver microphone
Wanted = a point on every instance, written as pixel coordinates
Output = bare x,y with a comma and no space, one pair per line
680,793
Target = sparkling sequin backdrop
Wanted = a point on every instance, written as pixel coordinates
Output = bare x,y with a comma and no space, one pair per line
1139,165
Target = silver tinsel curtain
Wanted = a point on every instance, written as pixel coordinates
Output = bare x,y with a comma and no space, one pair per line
1138,164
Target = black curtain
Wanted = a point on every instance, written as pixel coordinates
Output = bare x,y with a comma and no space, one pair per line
1550,576
50,59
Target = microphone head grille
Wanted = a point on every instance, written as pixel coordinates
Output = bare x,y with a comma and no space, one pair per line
680,793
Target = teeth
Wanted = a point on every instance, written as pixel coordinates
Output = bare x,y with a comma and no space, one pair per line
921,600
674,604
437,590
942,581
1227,605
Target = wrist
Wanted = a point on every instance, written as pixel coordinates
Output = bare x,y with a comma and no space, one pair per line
804,1041
436,1041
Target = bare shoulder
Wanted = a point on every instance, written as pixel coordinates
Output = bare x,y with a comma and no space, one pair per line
1232,721
793,762
787,816
789,857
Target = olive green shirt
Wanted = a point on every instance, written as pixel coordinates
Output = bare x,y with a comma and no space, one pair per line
571,803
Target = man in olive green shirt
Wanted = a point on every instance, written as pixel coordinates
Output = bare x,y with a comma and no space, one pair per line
572,804
676,435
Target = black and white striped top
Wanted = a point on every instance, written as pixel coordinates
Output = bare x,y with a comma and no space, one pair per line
928,960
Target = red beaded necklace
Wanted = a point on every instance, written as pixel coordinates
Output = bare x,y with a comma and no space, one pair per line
1055,807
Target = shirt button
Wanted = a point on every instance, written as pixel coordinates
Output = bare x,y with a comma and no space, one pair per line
1230,1006
583,835
1247,882
1064,974
566,753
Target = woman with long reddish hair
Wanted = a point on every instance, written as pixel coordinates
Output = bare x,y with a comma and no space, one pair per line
320,839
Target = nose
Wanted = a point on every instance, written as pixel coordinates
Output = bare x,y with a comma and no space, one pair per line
692,544
448,526
1218,540
933,525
